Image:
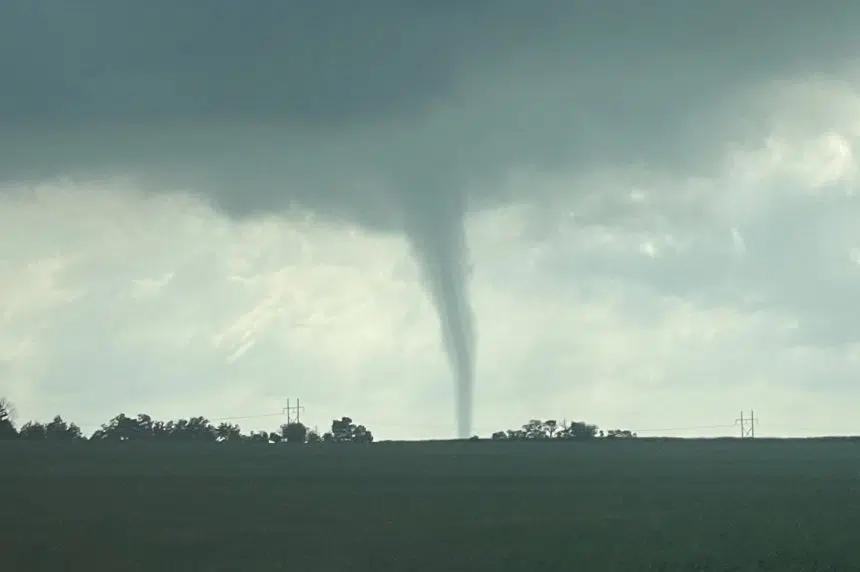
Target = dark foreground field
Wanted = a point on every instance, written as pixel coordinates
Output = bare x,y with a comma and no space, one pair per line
604,506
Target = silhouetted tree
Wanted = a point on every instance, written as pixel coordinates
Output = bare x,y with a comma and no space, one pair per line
7,423
143,428
341,430
56,430
620,434
275,438
535,429
120,428
59,430
261,437
193,429
161,430
579,430
228,432
314,437
515,434
199,429
34,431
178,430
345,431
294,433
362,434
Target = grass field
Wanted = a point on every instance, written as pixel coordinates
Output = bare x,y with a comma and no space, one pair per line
602,506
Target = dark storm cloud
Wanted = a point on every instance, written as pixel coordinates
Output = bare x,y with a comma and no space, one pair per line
315,63
253,91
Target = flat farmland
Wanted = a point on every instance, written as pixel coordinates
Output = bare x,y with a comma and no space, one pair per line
674,505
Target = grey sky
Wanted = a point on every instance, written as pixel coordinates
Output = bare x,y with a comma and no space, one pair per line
660,160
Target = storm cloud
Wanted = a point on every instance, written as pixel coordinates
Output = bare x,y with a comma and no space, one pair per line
341,98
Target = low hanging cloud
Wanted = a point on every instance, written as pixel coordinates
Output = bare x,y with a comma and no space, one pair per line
409,118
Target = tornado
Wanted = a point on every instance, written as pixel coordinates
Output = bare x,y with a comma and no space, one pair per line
435,226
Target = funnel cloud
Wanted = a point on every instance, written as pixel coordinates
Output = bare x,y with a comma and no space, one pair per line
435,225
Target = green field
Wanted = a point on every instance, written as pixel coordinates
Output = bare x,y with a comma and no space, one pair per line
597,506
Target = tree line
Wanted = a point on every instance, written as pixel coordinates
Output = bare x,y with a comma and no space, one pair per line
144,428
536,430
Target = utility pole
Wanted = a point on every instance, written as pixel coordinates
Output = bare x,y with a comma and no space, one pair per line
747,432
752,421
288,411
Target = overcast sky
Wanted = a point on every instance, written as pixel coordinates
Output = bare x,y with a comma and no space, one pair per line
649,206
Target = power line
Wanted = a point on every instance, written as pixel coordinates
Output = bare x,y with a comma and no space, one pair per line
233,418
690,428
247,416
